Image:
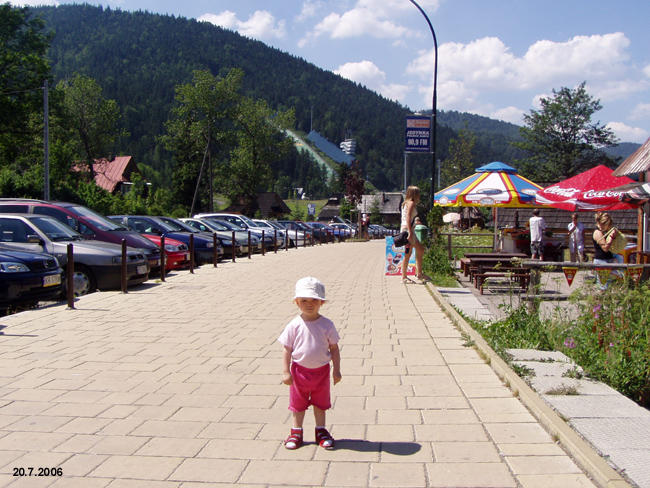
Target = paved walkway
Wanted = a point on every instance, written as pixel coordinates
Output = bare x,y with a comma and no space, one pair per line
177,384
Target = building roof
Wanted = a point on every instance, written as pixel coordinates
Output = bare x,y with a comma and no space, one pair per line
329,148
637,162
389,203
109,174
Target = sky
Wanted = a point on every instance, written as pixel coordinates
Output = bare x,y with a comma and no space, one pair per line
496,58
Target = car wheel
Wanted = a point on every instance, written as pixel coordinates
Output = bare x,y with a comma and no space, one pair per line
83,281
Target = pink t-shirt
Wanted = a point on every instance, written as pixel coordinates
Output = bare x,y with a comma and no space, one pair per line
310,341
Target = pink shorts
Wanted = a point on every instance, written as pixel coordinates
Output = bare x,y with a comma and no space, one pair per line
309,387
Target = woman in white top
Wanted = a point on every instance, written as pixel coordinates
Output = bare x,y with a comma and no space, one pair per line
409,212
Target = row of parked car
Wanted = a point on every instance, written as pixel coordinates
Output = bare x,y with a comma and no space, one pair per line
35,235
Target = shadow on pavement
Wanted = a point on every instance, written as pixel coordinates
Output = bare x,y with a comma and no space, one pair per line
397,448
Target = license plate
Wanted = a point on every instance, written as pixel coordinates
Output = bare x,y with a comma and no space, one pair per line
142,269
52,280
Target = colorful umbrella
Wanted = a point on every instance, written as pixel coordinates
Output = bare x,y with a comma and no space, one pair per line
493,185
593,190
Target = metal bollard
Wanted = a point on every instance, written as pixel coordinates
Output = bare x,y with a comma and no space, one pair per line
249,245
233,246
263,246
275,241
286,241
297,239
215,256
70,277
163,258
123,267
192,253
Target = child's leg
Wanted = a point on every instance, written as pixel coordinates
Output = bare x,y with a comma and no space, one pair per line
323,437
298,419
294,441
319,417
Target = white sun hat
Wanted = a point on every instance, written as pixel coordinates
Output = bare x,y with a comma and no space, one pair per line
310,287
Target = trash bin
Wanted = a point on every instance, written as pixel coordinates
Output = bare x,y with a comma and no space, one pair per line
421,232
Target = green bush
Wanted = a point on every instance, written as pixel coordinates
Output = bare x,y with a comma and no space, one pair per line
610,338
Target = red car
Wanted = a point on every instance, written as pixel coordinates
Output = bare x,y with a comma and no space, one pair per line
177,254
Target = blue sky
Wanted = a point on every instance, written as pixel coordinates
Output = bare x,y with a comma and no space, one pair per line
495,57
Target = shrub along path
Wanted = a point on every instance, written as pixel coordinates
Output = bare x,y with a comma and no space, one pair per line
177,384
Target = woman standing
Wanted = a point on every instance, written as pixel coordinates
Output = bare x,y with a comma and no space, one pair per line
603,237
409,212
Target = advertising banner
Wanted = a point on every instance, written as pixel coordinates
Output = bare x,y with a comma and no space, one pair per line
395,260
418,134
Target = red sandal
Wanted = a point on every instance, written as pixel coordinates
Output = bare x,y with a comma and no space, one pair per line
324,439
294,441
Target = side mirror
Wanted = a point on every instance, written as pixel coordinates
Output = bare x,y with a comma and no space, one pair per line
34,239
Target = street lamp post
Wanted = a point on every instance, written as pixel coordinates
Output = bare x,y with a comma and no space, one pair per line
433,113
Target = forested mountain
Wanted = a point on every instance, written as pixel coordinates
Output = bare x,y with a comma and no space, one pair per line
138,59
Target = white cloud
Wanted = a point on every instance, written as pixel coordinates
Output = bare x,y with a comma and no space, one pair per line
364,72
628,134
35,3
510,114
309,9
369,75
641,111
488,65
358,23
646,71
261,25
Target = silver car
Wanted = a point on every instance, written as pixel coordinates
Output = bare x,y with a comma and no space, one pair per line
241,240
97,264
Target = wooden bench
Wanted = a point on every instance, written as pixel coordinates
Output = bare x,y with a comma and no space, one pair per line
520,275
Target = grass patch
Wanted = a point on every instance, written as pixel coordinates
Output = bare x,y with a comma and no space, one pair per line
563,390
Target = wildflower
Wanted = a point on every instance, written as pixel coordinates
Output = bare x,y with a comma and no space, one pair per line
569,343
596,310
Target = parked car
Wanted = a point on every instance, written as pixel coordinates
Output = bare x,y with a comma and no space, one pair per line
97,264
27,278
146,224
241,241
271,227
345,229
177,254
256,242
323,232
241,221
304,232
88,223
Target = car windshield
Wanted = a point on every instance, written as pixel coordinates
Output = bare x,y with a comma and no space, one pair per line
232,225
99,221
262,225
55,230
275,225
223,223
178,226
214,225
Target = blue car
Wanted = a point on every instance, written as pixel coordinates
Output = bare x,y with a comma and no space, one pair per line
27,278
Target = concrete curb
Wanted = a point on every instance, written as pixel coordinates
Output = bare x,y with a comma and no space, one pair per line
584,454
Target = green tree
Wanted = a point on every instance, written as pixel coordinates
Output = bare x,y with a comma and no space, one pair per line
460,162
560,139
260,140
200,131
23,69
95,119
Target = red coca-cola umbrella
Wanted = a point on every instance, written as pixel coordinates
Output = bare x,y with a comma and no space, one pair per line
593,190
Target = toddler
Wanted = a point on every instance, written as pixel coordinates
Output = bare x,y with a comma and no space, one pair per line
310,342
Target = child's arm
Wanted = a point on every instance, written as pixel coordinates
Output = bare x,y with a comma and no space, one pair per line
336,363
286,363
